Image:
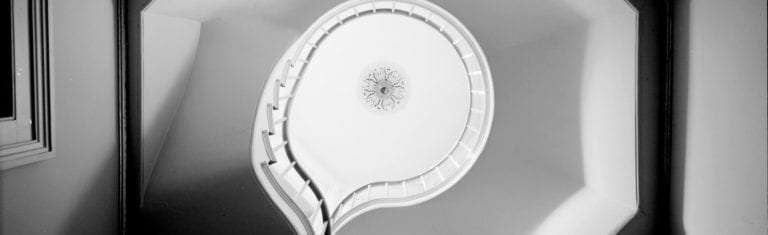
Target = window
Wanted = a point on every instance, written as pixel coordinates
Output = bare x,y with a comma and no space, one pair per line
25,109
6,82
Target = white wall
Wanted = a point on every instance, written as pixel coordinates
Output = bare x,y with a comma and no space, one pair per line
608,107
76,191
721,148
205,168
169,46
607,124
225,85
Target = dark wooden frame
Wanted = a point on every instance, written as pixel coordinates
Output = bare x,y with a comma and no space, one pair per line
653,119
41,146
128,34
122,110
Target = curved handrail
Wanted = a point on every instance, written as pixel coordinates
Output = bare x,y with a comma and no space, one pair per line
295,166
272,180
393,10
299,60
312,186
369,202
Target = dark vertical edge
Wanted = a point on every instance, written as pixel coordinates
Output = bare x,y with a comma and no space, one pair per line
665,197
48,113
133,114
122,127
681,46
654,118
130,27
42,95
40,67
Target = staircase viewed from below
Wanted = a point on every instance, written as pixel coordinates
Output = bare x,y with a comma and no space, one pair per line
371,113
286,177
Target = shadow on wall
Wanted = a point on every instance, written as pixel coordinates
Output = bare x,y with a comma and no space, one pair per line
680,114
532,161
204,205
62,195
205,164
169,48
87,211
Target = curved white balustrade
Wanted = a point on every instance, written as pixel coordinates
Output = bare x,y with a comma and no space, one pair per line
284,176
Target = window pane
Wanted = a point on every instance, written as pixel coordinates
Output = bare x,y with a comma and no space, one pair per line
6,81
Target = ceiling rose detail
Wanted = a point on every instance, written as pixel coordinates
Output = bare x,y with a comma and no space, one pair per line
384,87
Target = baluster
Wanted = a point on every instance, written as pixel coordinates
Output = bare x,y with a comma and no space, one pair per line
465,146
281,120
479,92
280,146
316,210
270,123
368,196
270,154
287,169
276,95
285,97
439,174
453,160
304,187
325,226
286,68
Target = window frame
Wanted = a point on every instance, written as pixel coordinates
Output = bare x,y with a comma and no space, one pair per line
40,146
